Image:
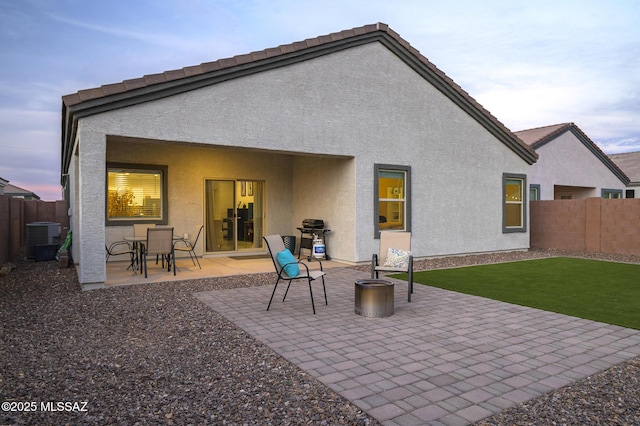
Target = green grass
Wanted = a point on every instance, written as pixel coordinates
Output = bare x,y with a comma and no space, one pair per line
591,289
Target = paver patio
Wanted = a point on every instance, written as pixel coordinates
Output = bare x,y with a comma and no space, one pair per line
445,358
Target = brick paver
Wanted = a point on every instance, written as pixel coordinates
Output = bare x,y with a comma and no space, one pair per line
444,358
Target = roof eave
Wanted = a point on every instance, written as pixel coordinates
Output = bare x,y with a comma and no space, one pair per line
74,108
599,154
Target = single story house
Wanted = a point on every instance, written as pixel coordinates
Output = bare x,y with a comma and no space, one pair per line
629,162
570,165
15,191
356,128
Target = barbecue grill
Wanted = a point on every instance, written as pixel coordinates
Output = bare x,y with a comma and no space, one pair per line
307,231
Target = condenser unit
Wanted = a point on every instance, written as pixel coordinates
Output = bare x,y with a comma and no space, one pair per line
41,233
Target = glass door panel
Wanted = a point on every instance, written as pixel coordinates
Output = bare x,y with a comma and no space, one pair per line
249,212
219,215
234,215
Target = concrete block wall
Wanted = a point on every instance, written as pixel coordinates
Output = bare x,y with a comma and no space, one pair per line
558,224
620,231
16,213
592,224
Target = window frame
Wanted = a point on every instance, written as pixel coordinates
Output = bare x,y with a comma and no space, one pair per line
378,168
536,188
164,191
524,202
612,192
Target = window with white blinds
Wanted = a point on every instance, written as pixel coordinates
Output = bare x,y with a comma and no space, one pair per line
135,194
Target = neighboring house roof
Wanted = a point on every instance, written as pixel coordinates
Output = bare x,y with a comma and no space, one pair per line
540,136
630,163
16,191
155,86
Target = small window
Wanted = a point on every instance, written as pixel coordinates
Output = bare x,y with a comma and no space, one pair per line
136,194
392,191
534,192
514,203
629,193
611,193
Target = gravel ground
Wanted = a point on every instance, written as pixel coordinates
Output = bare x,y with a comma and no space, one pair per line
153,354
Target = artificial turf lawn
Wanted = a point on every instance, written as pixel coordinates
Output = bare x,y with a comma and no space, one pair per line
601,291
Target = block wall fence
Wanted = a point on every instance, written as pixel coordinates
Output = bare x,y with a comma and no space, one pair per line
592,224
16,213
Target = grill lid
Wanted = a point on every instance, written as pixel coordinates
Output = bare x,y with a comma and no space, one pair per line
313,223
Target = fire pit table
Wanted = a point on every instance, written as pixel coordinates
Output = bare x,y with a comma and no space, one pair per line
374,298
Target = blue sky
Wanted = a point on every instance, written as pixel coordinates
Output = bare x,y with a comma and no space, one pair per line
530,63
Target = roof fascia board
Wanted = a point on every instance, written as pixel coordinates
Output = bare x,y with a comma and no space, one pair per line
73,113
174,87
551,136
446,88
602,157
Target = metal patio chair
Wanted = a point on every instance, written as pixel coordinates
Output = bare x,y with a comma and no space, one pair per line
120,248
189,247
159,242
289,269
394,256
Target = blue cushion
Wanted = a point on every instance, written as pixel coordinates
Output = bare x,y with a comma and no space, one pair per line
290,264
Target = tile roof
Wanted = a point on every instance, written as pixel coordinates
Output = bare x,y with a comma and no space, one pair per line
540,136
629,162
117,95
537,136
16,191
221,64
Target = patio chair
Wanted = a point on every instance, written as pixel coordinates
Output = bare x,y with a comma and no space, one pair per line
189,247
160,243
140,229
121,248
289,269
394,256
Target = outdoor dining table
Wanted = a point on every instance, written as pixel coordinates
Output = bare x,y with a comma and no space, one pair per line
138,243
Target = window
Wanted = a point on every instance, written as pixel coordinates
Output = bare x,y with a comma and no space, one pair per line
392,195
611,193
629,193
136,194
534,192
514,207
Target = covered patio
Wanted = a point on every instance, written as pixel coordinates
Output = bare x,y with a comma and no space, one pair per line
221,266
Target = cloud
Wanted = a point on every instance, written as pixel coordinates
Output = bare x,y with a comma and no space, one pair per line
527,66
616,146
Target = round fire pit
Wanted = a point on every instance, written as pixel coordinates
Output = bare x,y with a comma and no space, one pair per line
374,298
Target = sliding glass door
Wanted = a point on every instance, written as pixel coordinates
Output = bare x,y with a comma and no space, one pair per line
234,215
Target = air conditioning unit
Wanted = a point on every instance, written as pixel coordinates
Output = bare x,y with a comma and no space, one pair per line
41,233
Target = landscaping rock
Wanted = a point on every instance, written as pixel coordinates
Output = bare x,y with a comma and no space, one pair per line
153,354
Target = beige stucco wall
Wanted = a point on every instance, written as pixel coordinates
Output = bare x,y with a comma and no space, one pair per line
326,122
190,165
566,162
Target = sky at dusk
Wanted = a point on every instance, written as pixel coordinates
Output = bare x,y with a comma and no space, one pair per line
529,63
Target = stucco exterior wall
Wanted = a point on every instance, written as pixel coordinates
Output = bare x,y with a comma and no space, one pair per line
325,188
91,205
348,110
566,161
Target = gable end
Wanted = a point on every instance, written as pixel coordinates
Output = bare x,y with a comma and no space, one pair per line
109,97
